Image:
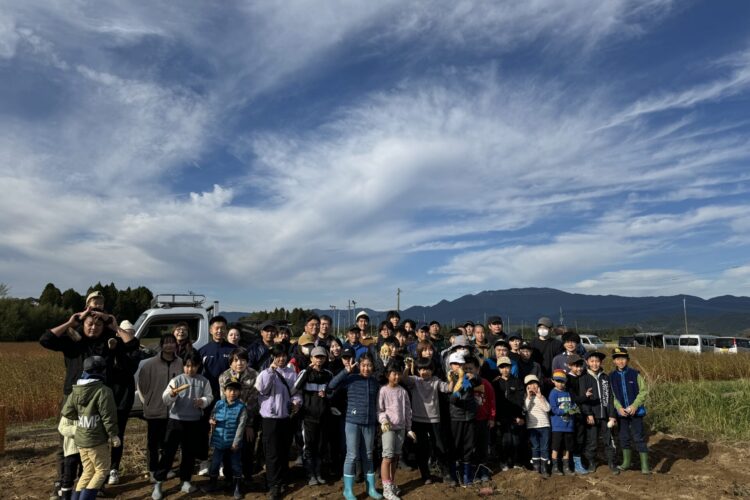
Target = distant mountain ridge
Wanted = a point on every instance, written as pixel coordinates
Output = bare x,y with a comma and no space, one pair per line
726,314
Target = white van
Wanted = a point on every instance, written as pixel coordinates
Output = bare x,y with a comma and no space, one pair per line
732,345
672,342
697,343
592,343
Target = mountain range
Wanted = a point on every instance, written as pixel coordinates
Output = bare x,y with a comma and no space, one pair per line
723,315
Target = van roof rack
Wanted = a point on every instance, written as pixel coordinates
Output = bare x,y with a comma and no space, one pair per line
167,300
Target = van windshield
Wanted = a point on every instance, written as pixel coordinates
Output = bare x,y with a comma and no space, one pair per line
595,340
688,341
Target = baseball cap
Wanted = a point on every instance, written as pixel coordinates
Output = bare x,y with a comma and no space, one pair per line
494,319
319,351
595,354
529,379
620,352
347,353
97,294
525,345
306,339
505,360
456,358
573,359
560,376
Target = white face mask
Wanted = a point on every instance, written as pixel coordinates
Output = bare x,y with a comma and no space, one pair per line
306,350
543,332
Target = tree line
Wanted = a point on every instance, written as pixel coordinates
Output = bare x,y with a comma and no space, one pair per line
27,318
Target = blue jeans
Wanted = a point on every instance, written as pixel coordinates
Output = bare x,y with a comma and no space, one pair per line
235,457
359,443
539,443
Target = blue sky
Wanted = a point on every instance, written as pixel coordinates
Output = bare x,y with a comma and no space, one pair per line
305,153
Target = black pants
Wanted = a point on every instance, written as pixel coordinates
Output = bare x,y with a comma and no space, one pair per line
563,441
481,441
202,444
185,435
116,453
155,434
429,443
580,435
593,434
336,442
463,440
508,438
313,439
277,438
71,470
634,426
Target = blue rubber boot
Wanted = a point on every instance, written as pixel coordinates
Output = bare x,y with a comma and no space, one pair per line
372,492
578,466
349,487
468,474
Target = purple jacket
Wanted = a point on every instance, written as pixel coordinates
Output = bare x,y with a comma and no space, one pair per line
273,395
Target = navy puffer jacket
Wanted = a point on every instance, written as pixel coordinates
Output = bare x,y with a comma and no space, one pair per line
362,397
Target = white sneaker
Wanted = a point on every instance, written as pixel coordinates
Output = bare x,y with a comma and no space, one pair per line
114,477
157,494
203,468
188,488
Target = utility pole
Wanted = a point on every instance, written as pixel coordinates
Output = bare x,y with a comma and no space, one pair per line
335,325
398,299
562,320
349,312
684,310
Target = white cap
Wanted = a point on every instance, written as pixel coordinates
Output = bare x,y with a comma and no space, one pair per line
456,357
126,325
361,313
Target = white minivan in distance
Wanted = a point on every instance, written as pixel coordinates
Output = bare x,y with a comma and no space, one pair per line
591,342
697,343
732,345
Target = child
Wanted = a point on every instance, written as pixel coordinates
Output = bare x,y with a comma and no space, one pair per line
579,397
72,462
240,371
313,382
598,410
361,420
537,423
425,405
570,342
630,392
463,412
485,419
508,414
186,395
92,405
394,415
228,421
277,406
563,408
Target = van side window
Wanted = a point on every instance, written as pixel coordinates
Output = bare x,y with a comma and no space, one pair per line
159,326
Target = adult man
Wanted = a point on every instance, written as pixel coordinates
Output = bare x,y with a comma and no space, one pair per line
259,354
362,321
216,355
469,329
95,333
495,324
436,337
545,347
153,378
325,335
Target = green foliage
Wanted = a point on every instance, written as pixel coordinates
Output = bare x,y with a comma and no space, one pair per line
20,319
4,290
296,317
51,296
701,409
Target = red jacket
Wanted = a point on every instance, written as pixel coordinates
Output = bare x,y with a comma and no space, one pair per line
485,396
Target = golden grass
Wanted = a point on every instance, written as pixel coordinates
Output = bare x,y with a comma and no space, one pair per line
31,381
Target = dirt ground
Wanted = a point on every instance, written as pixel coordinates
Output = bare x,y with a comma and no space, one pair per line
683,468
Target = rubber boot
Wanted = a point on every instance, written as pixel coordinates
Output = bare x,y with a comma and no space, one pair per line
372,492
89,494
212,484
613,468
626,455
578,466
453,481
468,474
558,466
644,463
547,466
349,487
237,483
66,494
157,493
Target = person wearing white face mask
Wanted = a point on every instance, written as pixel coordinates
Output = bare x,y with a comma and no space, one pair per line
545,347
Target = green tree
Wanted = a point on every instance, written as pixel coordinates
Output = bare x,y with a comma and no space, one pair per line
4,290
72,300
51,296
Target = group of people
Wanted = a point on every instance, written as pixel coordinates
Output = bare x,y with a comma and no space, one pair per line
456,407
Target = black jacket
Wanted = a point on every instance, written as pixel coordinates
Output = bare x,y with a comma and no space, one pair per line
601,404
509,396
310,383
122,362
544,353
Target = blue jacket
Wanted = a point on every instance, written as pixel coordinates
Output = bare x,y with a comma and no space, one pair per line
359,349
362,397
625,387
215,361
560,403
259,356
230,424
